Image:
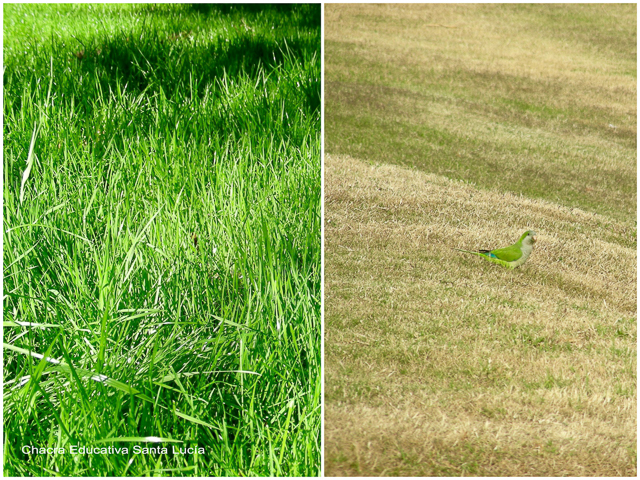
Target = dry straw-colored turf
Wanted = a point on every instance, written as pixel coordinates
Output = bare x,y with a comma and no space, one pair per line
532,99
474,123
440,363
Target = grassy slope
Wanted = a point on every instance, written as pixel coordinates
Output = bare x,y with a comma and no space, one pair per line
477,102
168,238
439,363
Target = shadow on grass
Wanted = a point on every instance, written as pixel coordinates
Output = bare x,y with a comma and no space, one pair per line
168,58
308,15
168,63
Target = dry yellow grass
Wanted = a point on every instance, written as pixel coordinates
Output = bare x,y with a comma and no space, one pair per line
479,37
440,363
532,99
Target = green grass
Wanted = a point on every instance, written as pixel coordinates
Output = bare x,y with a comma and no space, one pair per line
162,238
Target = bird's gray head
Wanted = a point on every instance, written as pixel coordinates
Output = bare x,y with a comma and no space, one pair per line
528,237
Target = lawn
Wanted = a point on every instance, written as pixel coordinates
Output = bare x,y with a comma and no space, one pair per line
162,240
446,128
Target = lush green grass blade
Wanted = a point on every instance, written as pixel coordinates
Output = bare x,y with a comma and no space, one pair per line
191,419
62,367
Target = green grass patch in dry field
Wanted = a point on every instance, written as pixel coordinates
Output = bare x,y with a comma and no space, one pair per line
162,240
446,128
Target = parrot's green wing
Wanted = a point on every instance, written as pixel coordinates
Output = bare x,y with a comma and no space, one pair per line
507,254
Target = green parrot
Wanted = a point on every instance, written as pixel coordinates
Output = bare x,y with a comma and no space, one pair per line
513,256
